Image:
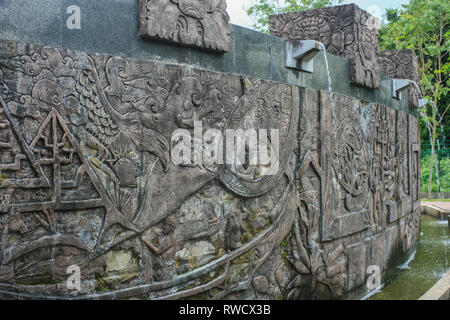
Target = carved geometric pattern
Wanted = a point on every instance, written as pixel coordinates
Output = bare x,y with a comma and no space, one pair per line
53,149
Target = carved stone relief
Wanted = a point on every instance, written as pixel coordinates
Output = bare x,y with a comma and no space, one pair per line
401,64
87,178
263,106
368,167
193,23
346,31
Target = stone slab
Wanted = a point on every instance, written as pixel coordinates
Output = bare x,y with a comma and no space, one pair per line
31,21
268,62
440,291
401,64
96,18
437,210
199,24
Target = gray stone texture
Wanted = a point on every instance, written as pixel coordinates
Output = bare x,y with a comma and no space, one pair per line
48,27
195,23
401,64
346,31
88,178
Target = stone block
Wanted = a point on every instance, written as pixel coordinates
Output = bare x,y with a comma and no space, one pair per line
401,64
346,31
356,265
45,28
376,253
200,24
252,46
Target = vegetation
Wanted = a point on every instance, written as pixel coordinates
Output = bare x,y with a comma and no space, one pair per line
444,175
423,26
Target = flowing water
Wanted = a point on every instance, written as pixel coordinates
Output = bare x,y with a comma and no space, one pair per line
330,86
426,267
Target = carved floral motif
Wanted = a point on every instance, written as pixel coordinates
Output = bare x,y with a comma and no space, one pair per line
196,23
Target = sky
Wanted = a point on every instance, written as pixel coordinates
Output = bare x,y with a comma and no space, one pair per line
237,9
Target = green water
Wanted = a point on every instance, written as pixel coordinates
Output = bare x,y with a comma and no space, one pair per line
430,263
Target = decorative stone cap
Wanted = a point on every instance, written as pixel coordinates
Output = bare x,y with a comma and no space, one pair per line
401,64
201,24
346,31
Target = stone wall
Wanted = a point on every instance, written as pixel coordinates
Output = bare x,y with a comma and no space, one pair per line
87,179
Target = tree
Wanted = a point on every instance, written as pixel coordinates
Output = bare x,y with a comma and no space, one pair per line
262,9
423,26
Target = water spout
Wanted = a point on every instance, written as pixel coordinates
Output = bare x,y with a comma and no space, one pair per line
330,86
300,56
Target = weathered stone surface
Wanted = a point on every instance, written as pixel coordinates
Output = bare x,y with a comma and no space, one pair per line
196,23
88,180
356,265
346,31
401,64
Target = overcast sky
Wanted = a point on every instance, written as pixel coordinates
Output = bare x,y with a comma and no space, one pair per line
237,8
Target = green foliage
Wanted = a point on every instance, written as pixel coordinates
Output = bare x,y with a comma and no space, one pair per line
444,175
262,9
423,26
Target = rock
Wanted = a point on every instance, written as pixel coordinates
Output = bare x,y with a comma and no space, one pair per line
261,284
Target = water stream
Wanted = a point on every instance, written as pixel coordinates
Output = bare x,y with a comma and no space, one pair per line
427,122
330,86
426,266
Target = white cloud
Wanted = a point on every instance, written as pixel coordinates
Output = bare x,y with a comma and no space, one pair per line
237,9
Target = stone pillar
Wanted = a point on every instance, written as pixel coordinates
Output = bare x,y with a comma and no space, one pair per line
346,31
401,64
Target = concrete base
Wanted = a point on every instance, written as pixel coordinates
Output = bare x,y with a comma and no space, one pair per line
440,291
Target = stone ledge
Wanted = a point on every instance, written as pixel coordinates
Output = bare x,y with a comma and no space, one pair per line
434,211
440,291
105,29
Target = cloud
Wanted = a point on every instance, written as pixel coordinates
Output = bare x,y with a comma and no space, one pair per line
238,13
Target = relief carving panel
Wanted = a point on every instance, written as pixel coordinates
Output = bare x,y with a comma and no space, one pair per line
87,178
368,160
195,23
401,64
346,31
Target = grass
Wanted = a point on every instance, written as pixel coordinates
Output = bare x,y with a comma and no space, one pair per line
435,200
